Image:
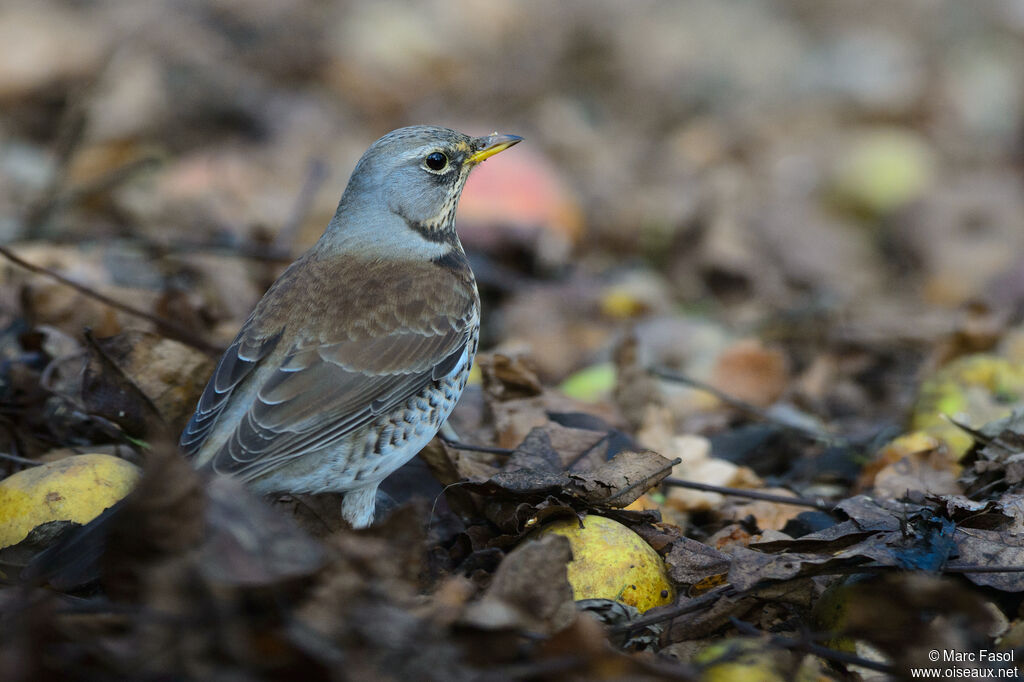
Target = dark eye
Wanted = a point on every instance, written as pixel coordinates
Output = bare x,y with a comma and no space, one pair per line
436,161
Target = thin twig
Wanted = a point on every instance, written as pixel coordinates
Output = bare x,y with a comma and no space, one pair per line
892,568
704,601
48,383
315,177
71,128
710,598
70,133
966,428
107,181
252,251
744,406
456,445
168,327
808,647
579,458
969,568
820,505
437,498
111,364
19,460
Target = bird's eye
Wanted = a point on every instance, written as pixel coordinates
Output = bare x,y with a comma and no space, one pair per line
436,161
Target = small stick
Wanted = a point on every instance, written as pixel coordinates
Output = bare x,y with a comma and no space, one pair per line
315,177
579,458
19,460
168,327
111,364
108,180
457,445
971,568
248,250
820,505
813,648
744,406
704,601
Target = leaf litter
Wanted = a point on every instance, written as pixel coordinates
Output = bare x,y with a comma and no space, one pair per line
790,343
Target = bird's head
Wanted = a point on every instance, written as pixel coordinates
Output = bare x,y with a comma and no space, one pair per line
411,179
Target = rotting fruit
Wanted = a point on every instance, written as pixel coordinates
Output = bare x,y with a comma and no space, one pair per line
76,488
610,561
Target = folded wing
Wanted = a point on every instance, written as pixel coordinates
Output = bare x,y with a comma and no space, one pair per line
281,392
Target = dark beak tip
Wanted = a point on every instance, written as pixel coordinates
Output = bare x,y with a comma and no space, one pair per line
496,139
488,146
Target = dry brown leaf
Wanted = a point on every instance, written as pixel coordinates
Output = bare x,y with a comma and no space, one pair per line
507,377
529,591
767,515
751,372
622,479
249,543
690,562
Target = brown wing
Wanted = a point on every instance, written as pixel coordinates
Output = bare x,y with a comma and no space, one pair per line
284,392
235,367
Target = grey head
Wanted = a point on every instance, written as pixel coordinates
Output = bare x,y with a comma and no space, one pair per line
402,195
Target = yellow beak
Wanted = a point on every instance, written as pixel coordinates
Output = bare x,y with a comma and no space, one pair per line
490,145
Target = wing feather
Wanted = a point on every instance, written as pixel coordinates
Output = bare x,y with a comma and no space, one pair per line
235,365
297,391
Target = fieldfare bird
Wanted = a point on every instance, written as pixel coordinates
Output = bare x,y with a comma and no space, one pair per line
357,354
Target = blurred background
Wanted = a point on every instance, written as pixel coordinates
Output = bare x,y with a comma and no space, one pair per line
841,181
813,207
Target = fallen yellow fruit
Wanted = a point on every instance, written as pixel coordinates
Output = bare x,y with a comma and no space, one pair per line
76,488
744,659
884,170
973,390
612,562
